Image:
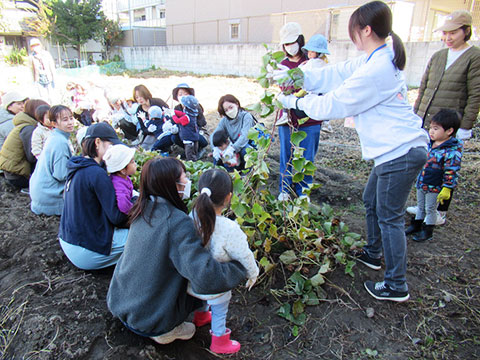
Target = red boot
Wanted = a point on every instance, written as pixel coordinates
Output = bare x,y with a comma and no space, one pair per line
201,318
223,344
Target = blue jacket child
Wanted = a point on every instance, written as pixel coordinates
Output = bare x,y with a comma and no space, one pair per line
441,169
187,119
155,122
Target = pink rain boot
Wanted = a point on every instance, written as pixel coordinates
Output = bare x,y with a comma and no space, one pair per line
201,318
223,344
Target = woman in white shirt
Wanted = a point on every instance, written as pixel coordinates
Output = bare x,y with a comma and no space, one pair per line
372,89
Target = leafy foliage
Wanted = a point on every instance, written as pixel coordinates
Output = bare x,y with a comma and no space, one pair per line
111,34
16,56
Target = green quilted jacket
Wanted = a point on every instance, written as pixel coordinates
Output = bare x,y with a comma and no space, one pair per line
457,88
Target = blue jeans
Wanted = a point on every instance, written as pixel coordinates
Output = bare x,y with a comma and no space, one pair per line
219,318
90,260
427,206
310,144
385,197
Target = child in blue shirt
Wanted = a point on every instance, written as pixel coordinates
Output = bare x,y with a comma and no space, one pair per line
439,175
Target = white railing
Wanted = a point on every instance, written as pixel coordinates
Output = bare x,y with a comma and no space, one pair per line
125,5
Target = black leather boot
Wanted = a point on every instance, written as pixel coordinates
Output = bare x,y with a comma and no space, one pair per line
425,234
415,226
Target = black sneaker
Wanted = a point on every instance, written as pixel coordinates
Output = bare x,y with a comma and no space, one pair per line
362,256
381,291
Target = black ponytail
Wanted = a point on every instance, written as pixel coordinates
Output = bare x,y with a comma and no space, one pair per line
400,57
378,16
214,186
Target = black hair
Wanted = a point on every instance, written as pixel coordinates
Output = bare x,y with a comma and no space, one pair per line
220,184
378,16
40,113
301,43
230,98
89,148
159,177
447,119
467,30
56,111
219,138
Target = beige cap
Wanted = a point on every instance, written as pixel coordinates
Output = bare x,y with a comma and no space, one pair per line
456,20
290,32
34,42
12,97
117,157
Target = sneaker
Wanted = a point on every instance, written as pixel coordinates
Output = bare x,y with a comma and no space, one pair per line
283,196
441,217
412,210
381,291
25,191
362,256
184,331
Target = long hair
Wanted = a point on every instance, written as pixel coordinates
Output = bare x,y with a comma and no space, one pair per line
220,185
378,16
159,177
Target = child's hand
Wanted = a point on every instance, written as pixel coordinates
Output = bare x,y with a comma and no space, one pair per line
444,195
216,153
251,282
142,116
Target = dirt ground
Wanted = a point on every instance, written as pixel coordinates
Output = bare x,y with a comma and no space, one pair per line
51,310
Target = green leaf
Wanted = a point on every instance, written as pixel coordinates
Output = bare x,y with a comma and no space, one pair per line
317,280
303,120
284,311
278,104
325,267
257,107
295,330
299,163
278,56
238,186
298,308
267,265
266,59
297,137
288,257
267,110
257,209
298,177
263,82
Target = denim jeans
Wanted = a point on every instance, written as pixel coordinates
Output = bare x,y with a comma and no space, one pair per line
427,206
310,144
385,197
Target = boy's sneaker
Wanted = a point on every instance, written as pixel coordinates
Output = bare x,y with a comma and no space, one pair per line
381,291
362,256
441,217
412,210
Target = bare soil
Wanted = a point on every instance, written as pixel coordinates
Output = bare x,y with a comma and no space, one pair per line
51,310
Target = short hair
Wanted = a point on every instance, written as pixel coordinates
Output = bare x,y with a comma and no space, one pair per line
447,119
229,98
469,34
40,112
143,91
32,105
219,138
56,111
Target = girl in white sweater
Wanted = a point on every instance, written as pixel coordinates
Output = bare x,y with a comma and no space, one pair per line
226,242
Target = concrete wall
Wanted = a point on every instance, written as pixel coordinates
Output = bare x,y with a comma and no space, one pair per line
245,59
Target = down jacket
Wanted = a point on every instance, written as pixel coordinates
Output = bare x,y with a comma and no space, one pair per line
457,88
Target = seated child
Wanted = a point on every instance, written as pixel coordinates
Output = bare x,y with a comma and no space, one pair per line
223,149
122,119
226,242
188,129
120,163
439,175
42,131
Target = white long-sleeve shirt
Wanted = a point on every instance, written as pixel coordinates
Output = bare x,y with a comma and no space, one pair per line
375,94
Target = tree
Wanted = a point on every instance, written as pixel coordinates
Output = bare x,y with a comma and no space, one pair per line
74,22
111,34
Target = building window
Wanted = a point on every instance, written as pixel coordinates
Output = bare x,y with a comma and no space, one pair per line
162,14
234,32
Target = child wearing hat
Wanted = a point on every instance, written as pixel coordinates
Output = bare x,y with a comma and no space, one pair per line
187,126
120,163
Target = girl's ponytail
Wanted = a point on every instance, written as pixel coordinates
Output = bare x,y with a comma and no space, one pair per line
399,50
204,215
214,187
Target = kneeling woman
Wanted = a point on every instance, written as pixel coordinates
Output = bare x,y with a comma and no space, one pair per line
148,291
89,233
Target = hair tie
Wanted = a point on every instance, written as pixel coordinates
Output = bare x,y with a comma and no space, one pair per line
207,191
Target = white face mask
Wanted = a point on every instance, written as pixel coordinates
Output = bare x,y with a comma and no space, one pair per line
180,99
232,113
186,190
292,49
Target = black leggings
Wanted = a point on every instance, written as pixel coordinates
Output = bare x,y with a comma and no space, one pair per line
446,203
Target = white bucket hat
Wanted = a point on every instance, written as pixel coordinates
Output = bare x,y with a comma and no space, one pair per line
290,32
117,157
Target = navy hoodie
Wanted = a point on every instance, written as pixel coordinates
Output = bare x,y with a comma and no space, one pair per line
90,212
